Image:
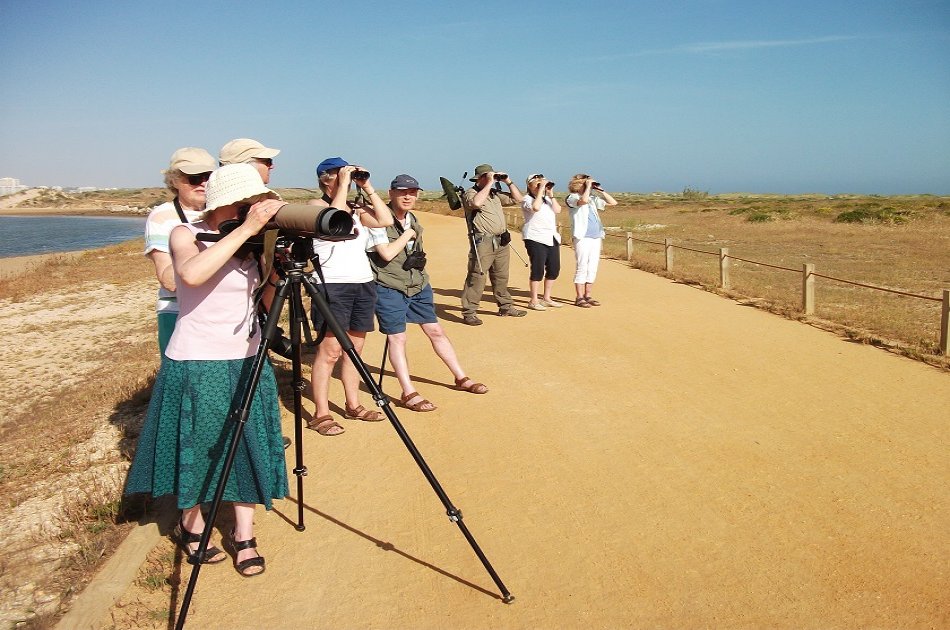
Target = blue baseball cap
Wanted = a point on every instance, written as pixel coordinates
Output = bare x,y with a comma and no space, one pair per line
330,163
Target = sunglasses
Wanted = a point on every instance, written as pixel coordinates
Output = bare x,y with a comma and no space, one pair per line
268,162
199,179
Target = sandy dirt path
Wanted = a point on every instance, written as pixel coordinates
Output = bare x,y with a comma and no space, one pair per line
669,459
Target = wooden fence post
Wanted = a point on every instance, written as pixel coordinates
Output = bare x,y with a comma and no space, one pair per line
724,268
668,246
629,246
945,323
808,289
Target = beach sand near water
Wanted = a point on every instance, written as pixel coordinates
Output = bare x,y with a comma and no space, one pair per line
17,265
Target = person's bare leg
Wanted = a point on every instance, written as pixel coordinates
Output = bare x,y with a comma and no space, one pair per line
244,530
443,348
534,286
328,353
348,373
548,286
399,361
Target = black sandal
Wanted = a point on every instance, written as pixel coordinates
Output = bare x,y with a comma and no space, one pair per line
183,538
243,566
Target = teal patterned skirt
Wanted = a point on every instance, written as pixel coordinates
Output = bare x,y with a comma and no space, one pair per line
188,431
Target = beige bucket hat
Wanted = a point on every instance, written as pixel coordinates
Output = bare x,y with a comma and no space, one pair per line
233,183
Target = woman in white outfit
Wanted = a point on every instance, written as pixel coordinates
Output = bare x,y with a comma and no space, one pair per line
588,233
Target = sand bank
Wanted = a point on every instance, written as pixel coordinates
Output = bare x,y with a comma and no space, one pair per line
17,265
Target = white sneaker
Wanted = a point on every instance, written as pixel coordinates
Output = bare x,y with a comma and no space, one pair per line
552,303
537,306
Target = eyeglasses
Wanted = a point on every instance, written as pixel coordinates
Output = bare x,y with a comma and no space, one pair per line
268,162
199,179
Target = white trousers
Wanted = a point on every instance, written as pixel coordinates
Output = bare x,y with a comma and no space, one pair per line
587,252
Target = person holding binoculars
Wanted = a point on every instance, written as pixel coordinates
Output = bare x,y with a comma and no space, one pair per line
351,293
404,295
541,240
588,233
489,241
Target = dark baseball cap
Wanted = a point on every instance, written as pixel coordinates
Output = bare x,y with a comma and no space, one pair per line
330,163
404,182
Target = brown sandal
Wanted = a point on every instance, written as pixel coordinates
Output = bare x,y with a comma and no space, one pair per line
362,413
324,425
422,405
582,303
473,387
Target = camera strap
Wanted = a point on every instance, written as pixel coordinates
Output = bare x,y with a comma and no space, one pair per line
397,225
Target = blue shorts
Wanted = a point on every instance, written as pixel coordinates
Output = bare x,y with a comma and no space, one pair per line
394,309
351,304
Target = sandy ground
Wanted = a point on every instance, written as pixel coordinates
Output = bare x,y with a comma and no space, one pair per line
669,459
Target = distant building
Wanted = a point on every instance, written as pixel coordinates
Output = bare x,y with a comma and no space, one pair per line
10,185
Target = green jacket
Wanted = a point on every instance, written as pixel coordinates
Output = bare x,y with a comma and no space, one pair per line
391,274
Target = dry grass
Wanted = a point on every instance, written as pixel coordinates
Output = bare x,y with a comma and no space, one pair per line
900,243
63,442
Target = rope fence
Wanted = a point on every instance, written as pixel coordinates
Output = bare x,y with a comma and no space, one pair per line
807,272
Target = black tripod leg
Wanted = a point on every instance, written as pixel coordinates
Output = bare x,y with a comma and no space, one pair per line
239,414
297,321
455,515
382,362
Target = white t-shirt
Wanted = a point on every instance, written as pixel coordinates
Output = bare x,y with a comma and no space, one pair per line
159,224
540,226
345,261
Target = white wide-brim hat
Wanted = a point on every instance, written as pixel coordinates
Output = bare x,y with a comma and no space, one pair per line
233,183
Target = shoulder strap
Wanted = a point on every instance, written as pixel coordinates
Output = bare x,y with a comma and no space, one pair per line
181,213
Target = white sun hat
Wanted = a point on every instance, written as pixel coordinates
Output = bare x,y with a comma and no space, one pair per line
232,183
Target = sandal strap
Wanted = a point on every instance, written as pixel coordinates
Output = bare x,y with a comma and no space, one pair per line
243,565
241,545
184,536
407,397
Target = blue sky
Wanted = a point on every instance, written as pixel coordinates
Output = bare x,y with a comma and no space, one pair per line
741,96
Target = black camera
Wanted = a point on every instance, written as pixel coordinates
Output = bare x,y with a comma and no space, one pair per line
500,177
414,260
360,175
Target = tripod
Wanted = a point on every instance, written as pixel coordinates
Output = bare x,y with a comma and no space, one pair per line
291,255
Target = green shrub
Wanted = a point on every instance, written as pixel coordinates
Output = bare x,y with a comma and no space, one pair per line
874,213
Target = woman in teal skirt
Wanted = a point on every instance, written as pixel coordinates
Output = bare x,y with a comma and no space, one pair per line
188,429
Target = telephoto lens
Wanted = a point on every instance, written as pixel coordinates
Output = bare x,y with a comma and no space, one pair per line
329,224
